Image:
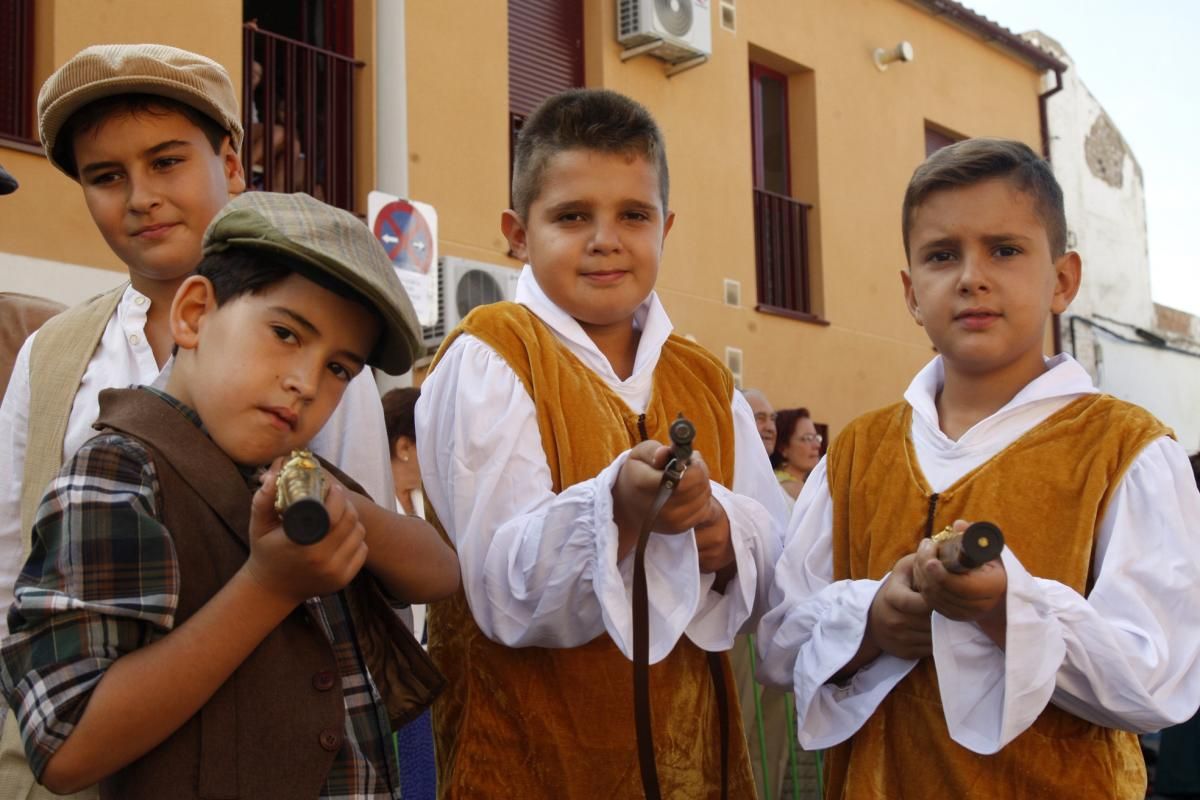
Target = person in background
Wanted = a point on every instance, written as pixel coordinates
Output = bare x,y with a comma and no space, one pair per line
398,405
797,449
766,713
22,313
764,416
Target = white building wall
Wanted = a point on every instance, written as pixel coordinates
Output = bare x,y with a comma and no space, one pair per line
1105,204
1106,222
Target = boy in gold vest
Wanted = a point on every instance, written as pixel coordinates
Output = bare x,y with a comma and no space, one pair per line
539,431
1028,676
151,135
168,638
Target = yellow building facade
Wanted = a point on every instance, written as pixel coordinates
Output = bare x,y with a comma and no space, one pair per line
855,133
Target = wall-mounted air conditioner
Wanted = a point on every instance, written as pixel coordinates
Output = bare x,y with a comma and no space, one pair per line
464,284
683,26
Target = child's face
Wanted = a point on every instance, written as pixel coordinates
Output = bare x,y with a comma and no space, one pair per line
265,371
594,235
981,279
152,184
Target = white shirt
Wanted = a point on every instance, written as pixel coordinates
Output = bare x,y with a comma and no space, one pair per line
124,358
1124,657
541,569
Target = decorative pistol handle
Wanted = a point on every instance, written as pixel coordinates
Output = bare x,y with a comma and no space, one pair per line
300,498
980,543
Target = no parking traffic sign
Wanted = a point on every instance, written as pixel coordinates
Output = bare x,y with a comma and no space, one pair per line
407,229
405,235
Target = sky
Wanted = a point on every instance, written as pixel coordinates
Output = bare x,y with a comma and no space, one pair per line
1137,58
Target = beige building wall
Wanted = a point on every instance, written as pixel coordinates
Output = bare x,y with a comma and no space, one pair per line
857,134
47,219
48,244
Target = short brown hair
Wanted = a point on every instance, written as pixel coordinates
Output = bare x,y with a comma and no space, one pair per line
93,115
583,119
399,407
786,420
973,161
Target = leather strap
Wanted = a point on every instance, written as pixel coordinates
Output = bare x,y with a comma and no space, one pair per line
641,657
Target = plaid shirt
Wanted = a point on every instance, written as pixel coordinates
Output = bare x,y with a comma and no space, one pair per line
103,580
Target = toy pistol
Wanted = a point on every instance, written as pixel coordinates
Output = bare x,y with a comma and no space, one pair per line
682,433
980,543
300,498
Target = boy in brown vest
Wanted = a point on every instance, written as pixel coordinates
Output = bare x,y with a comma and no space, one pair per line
151,135
539,431
168,639
1028,676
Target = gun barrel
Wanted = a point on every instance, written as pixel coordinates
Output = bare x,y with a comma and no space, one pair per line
980,543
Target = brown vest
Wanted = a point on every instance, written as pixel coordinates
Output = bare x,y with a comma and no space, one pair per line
273,729
1047,491
538,722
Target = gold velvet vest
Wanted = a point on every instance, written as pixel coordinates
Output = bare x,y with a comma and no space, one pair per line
1047,491
539,722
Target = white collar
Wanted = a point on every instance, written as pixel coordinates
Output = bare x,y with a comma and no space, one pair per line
650,318
1064,377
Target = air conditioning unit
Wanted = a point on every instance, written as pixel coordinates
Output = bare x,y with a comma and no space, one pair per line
464,284
683,26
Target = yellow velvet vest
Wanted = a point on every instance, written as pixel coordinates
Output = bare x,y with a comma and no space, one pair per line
558,723
1047,491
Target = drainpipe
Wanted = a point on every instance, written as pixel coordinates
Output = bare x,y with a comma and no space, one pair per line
391,99
391,123
1043,100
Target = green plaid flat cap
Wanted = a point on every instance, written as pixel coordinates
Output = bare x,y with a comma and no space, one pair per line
334,242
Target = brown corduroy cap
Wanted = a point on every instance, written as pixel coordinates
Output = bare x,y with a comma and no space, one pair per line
105,70
330,240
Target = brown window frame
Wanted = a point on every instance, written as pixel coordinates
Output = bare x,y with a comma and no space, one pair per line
18,127
782,244
313,90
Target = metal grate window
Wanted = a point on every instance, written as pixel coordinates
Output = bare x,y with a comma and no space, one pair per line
298,111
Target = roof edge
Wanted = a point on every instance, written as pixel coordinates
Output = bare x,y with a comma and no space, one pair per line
973,22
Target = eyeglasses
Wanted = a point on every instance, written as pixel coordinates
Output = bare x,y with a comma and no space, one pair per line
763,416
811,438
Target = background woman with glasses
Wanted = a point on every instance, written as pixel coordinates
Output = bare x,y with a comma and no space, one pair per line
797,449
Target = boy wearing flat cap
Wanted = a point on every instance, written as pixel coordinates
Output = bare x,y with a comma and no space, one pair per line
168,639
151,134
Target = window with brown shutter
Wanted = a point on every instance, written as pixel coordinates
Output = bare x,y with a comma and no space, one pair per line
781,246
545,55
16,71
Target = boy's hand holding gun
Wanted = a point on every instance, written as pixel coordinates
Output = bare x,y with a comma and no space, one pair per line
957,573
690,506
971,586
293,571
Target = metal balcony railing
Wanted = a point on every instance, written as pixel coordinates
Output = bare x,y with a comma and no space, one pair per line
298,111
781,252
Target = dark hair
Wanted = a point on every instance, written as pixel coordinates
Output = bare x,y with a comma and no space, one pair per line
785,425
398,408
242,270
1195,459
94,114
584,119
973,161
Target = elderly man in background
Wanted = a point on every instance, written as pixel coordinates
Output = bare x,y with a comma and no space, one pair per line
764,417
